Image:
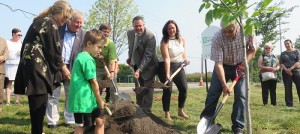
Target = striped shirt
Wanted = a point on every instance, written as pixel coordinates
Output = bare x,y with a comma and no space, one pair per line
228,51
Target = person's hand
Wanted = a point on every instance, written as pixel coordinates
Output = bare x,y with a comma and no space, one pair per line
1,59
226,89
102,105
289,71
66,73
168,77
136,74
186,62
128,61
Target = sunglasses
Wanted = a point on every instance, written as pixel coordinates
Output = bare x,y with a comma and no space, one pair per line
20,35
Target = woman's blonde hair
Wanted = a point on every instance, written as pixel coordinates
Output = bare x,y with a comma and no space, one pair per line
62,7
268,45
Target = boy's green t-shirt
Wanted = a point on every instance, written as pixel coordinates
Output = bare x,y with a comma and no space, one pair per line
81,95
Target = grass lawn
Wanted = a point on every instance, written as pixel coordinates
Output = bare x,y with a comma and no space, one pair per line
268,119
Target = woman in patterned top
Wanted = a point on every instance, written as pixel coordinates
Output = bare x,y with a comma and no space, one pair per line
290,64
268,62
41,61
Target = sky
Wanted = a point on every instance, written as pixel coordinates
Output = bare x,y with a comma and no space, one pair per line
156,13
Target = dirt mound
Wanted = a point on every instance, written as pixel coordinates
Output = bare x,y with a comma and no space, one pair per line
127,117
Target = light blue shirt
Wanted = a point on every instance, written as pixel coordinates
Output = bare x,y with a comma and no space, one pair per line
68,45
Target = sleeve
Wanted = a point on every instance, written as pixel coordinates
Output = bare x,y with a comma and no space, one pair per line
112,55
89,69
52,46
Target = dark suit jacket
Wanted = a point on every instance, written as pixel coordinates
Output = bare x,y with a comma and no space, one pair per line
145,52
4,53
77,46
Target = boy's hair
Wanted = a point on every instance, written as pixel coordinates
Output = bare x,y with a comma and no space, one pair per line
104,26
95,36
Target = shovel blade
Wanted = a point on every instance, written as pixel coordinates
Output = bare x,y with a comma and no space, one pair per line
122,96
214,129
203,125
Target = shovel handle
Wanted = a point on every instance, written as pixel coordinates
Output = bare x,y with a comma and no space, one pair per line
108,111
176,72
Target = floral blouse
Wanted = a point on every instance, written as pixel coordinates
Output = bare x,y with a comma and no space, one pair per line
40,59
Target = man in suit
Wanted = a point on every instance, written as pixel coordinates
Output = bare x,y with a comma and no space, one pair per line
3,57
142,57
71,35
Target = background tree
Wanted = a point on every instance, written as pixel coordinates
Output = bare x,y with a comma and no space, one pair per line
270,22
118,13
297,43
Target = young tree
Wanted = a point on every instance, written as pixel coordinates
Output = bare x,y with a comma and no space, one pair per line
297,43
118,14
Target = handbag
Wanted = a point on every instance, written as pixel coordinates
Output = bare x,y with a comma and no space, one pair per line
268,76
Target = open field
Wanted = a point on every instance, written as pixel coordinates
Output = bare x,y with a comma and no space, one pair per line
268,119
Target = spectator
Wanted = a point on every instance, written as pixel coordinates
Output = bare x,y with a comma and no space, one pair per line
3,57
11,64
290,64
268,62
71,35
41,60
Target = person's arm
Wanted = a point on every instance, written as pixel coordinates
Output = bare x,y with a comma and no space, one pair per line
165,54
184,56
95,88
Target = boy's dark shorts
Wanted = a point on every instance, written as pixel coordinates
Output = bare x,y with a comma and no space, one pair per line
87,119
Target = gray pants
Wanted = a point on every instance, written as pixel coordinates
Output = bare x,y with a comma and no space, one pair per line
52,111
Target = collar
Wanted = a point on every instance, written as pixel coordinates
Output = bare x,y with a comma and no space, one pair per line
68,31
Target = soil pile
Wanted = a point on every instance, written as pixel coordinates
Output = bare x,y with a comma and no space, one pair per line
129,118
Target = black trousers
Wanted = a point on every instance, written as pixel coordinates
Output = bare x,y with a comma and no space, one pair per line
180,81
269,86
288,84
37,107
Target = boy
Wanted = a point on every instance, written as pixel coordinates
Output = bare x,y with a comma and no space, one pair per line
84,97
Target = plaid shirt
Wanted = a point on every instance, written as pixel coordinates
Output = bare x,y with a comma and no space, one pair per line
228,51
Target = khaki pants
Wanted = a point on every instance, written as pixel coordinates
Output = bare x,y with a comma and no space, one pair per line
2,77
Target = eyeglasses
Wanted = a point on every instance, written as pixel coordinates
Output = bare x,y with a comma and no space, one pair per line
267,48
20,35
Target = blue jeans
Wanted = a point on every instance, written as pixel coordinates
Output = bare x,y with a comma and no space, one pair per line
215,91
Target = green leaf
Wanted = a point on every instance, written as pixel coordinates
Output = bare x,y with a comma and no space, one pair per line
256,13
207,5
209,17
225,20
266,3
249,29
201,7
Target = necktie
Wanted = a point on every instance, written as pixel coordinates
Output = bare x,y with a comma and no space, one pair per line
135,43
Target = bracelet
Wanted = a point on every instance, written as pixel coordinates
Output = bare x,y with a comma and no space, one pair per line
112,71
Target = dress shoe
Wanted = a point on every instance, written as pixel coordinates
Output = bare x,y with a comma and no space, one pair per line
52,126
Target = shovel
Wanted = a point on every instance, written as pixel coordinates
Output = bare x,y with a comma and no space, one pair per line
118,95
206,125
176,72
